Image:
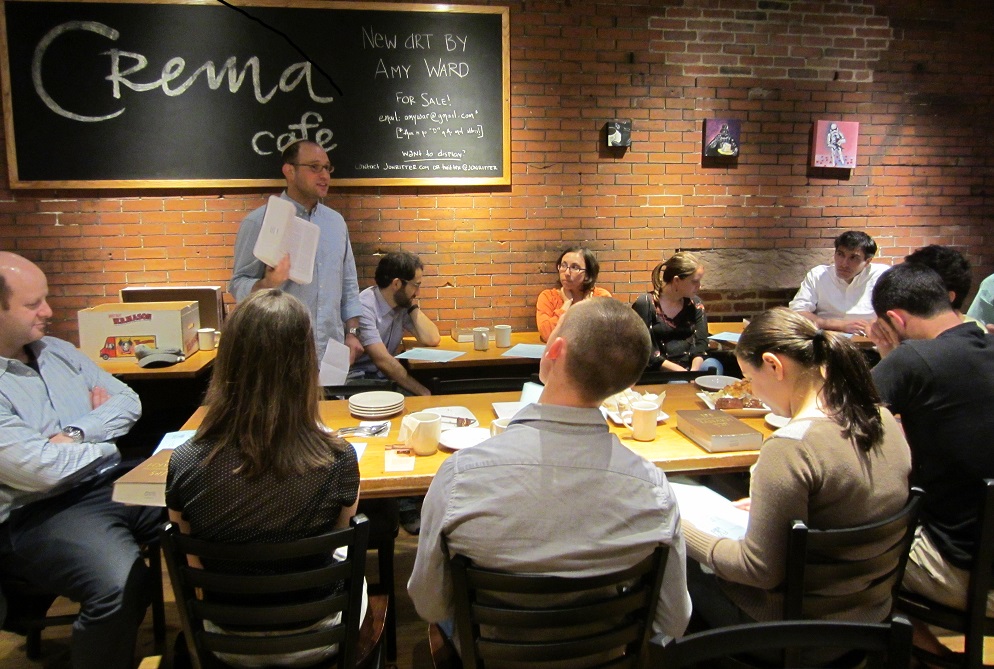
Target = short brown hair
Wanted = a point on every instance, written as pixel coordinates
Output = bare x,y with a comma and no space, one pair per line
608,346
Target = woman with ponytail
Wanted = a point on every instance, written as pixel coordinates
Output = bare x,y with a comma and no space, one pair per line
841,461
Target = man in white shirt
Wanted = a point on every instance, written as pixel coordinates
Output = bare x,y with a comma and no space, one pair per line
557,493
389,309
837,296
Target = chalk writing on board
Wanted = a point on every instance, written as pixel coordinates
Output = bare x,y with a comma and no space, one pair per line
207,96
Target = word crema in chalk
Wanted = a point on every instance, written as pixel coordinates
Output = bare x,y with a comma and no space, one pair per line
171,72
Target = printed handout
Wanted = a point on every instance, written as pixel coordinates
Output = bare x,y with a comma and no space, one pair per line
282,233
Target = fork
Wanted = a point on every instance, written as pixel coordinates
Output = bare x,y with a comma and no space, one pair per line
364,430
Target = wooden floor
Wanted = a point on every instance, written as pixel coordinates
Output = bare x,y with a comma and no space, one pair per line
412,641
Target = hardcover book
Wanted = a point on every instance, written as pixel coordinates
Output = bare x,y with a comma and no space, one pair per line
146,483
716,431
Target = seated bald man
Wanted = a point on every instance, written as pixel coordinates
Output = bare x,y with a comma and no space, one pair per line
59,416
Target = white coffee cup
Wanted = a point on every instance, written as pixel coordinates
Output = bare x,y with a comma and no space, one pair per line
498,426
502,333
421,431
481,338
205,337
641,420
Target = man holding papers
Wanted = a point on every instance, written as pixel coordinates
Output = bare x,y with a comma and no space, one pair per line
332,295
59,416
388,310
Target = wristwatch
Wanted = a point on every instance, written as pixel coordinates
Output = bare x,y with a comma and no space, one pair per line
352,331
410,309
73,433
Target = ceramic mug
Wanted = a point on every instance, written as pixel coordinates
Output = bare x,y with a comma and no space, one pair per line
481,338
502,333
421,431
641,420
205,338
498,426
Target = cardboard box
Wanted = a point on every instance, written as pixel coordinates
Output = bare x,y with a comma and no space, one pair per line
210,298
114,330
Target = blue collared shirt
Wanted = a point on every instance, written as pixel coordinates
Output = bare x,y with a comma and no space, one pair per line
332,297
35,405
380,324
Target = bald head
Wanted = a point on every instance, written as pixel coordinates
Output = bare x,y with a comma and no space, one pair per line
14,270
608,347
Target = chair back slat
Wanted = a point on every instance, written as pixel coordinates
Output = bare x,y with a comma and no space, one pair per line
819,561
281,615
275,610
562,616
505,620
718,647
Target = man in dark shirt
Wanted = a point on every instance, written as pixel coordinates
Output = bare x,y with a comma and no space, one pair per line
937,372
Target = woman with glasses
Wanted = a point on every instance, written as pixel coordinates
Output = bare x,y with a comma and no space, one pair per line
675,316
578,270
261,468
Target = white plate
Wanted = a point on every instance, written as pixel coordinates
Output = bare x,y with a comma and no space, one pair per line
615,417
775,421
454,412
735,412
459,438
375,399
711,382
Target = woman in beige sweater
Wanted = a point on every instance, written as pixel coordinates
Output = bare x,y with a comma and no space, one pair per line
841,461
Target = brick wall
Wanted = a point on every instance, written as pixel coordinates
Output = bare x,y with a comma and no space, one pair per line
916,74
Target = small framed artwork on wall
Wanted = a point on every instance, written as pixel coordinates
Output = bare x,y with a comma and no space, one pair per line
721,137
834,144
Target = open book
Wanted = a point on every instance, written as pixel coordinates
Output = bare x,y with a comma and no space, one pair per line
709,511
283,232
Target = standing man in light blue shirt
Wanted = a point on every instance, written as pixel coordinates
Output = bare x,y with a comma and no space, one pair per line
59,529
332,297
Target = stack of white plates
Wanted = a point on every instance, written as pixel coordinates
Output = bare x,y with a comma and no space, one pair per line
376,404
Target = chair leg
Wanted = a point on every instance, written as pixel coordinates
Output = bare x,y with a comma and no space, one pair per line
32,644
384,558
154,555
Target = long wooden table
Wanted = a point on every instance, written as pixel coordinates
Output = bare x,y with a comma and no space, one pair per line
473,358
671,450
127,369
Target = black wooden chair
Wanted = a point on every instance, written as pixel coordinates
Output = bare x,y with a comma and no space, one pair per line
720,647
263,614
28,606
493,384
665,376
817,559
972,622
576,620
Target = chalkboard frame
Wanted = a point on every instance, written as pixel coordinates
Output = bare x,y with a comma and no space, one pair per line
503,178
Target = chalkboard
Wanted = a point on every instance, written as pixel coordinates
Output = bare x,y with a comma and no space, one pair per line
174,94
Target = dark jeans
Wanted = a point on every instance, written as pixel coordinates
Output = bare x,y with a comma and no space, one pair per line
84,546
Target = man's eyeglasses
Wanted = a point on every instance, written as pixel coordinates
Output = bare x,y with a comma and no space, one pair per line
572,269
316,168
408,281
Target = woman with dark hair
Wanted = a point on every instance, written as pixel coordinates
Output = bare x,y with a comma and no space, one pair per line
578,269
841,461
260,468
675,316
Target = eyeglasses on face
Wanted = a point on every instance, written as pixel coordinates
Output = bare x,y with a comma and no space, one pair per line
316,168
416,284
572,269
